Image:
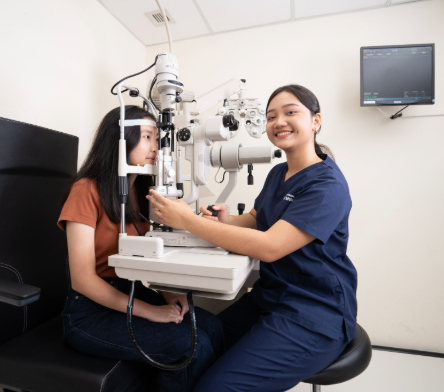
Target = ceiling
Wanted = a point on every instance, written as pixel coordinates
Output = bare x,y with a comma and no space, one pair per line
198,18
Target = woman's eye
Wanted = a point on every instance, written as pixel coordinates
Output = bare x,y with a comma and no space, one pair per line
270,118
291,112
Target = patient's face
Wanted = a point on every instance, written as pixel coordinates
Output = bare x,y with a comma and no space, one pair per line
145,152
289,123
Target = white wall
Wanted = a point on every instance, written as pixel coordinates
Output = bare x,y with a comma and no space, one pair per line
59,60
394,168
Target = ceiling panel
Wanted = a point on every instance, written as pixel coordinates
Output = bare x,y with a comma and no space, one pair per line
196,18
402,1
310,8
131,13
225,15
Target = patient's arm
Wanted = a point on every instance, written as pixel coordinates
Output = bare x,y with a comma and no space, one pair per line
84,279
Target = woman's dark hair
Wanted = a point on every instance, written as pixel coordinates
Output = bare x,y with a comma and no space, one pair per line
102,162
309,100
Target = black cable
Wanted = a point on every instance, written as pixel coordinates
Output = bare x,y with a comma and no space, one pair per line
144,218
149,95
396,115
223,178
141,72
173,366
159,141
140,234
152,223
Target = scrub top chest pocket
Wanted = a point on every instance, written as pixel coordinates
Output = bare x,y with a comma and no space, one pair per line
319,279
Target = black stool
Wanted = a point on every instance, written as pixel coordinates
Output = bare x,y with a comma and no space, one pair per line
351,363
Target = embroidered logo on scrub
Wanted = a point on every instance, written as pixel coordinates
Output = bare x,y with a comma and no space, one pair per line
288,197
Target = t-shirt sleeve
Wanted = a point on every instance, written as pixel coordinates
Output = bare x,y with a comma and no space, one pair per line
81,205
319,208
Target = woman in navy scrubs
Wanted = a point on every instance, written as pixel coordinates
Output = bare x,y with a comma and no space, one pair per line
301,313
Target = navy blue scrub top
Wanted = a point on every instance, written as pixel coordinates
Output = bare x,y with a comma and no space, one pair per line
315,285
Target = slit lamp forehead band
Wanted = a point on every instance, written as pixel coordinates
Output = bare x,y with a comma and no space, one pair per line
131,123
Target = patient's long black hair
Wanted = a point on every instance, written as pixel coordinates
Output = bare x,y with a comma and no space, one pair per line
102,162
309,100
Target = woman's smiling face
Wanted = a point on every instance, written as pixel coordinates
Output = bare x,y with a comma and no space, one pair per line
290,125
146,150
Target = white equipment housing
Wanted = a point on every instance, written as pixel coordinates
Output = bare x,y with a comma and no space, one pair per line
178,259
208,275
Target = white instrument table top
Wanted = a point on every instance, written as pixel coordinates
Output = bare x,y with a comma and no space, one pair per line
208,272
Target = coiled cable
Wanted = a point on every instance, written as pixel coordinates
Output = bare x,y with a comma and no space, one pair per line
173,366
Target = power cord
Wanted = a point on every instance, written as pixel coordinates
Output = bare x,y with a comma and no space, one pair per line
141,72
396,115
384,113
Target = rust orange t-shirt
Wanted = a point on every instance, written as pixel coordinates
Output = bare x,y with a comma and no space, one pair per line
84,206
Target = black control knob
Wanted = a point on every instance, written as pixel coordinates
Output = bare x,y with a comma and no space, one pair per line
134,93
230,122
241,208
278,153
250,178
213,211
184,135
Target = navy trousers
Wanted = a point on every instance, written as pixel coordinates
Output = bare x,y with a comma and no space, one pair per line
95,329
267,352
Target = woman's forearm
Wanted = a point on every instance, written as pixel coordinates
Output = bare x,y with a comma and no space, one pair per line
97,290
278,241
245,220
242,240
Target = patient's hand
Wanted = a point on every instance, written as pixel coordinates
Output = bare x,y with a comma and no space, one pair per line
179,300
165,314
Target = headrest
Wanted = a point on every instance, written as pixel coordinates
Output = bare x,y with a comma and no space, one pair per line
131,123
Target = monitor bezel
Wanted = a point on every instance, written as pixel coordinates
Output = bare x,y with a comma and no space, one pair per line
395,47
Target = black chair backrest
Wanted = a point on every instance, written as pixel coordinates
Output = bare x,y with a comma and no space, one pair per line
36,165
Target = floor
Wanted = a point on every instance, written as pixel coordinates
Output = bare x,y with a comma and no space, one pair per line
391,372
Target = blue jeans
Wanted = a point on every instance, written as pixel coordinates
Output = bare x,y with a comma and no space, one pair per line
94,329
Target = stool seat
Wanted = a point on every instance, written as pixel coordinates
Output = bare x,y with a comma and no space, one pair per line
352,362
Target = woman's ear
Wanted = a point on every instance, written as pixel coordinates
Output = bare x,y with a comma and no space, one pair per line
317,120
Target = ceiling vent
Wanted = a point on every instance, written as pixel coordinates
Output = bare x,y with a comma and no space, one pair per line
156,18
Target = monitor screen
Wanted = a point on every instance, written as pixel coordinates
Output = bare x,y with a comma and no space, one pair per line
397,75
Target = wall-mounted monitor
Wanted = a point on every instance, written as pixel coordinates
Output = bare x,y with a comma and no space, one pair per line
398,75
